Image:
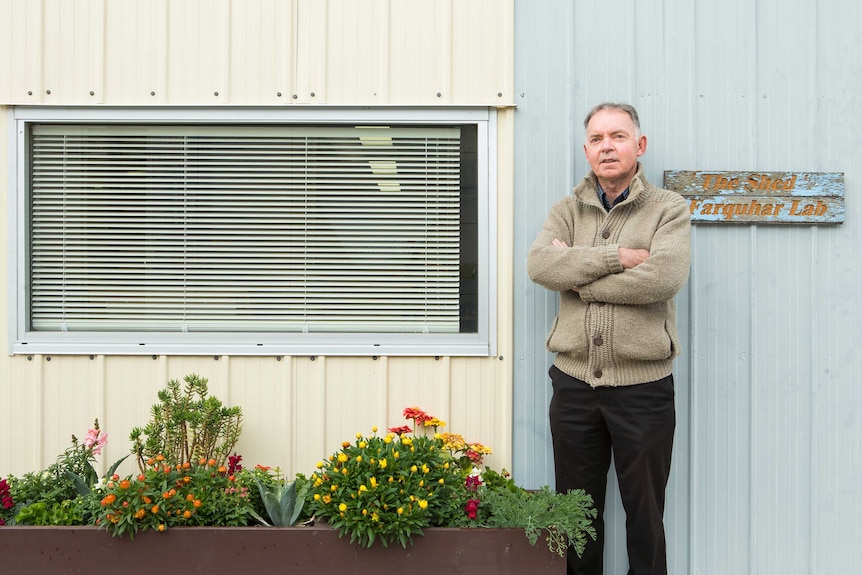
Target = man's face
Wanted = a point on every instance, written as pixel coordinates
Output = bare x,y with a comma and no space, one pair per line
613,147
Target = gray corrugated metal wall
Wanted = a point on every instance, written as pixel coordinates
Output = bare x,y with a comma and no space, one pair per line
768,456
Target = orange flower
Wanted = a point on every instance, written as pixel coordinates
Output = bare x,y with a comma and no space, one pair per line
155,509
212,462
125,484
197,503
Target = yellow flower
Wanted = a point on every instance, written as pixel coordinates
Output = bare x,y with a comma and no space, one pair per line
406,441
358,435
425,468
400,510
362,445
342,457
327,499
344,471
423,504
395,455
358,459
365,512
343,506
414,469
373,482
382,464
362,488
333,487
319,464
374,429
317,496
388,439
434,422
441,481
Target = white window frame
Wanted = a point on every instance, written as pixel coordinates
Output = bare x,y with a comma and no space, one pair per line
22,341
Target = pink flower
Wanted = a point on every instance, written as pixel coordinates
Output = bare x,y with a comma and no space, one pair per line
95,440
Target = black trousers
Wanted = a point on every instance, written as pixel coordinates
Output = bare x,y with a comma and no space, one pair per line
636,423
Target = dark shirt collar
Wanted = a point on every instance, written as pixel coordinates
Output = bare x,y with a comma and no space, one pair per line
604,198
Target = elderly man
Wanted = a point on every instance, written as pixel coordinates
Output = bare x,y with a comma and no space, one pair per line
617,250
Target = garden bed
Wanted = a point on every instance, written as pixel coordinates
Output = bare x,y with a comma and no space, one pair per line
263,551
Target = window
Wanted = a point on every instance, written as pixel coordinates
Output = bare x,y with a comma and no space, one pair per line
253,231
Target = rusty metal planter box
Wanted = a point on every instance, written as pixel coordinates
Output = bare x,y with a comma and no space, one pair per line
263,551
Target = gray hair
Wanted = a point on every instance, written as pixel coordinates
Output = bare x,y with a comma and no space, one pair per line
626,108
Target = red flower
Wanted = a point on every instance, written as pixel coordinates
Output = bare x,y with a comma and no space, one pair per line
472,482
416,415
233,464
400,430
5,497
471,508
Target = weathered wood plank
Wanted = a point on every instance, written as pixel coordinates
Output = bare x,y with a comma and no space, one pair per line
761,197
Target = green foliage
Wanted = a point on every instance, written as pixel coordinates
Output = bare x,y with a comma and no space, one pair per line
386,488
163,496
565,517
283,502
60,493
53,513
188,424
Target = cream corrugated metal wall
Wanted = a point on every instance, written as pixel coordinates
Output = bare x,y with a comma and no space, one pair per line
768,454
343,53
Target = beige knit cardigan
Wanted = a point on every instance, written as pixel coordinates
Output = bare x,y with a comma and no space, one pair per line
615,326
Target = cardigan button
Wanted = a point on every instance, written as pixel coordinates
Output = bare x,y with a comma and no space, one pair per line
598,340
606,234
598,373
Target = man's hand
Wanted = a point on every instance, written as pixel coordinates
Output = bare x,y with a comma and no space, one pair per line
630,258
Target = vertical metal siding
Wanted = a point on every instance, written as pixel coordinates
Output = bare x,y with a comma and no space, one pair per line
258,53
769,433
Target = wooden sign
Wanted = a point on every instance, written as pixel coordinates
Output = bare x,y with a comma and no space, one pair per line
761,197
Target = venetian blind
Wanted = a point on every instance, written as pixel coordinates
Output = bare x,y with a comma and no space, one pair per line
244,228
